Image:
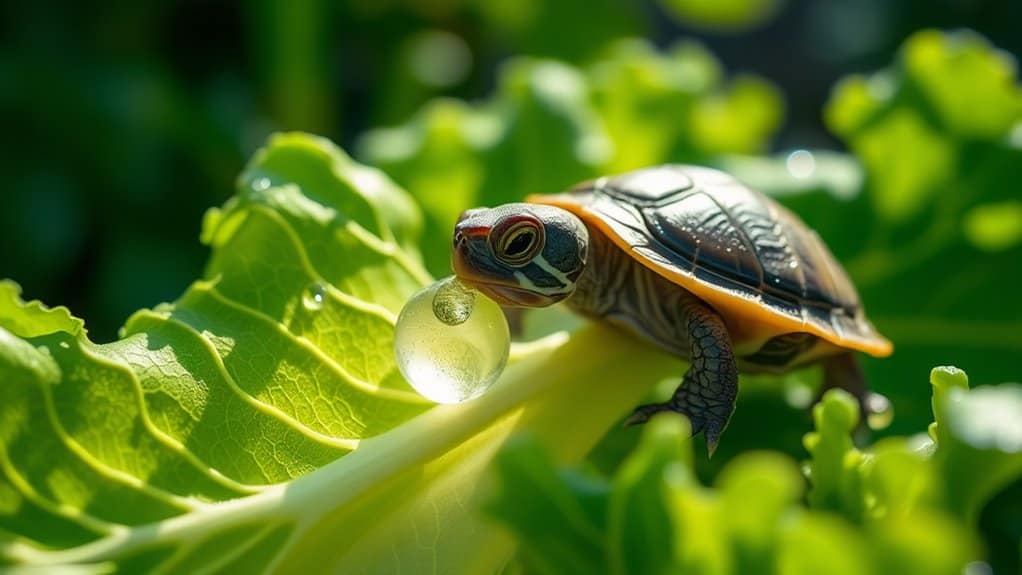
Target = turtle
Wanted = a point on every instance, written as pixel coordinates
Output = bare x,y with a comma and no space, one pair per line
689,259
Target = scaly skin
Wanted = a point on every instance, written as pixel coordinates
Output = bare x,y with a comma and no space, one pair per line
710,386
618,289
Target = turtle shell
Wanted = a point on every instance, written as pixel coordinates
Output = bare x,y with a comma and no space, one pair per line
753,260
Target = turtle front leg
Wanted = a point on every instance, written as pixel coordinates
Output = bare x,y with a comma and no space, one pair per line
708,390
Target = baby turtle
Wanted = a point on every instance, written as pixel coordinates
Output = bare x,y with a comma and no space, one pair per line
689,259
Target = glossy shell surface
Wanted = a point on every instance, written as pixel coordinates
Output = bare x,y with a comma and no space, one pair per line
750,258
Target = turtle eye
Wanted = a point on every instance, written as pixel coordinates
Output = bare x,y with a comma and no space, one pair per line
518,242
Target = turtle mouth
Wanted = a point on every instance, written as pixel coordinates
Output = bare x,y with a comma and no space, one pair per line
502,292
511,296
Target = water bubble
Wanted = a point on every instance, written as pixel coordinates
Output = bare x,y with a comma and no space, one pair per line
451,342
260,184
801,164
314,296
880,411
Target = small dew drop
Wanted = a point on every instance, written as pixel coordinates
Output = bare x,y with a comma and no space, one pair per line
314,296
453,302
801,164
793,264
260,184
64,345
881,412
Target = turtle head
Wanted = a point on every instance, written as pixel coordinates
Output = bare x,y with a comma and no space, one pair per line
520,255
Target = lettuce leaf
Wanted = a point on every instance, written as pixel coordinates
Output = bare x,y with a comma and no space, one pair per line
903,505
258,422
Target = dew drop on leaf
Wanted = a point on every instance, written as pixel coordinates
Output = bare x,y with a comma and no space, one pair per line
314,296
451,342
260,184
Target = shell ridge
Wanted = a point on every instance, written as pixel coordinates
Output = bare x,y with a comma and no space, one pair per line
771,209
744,237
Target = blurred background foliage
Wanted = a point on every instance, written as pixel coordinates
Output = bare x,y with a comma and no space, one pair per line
127,120
902,145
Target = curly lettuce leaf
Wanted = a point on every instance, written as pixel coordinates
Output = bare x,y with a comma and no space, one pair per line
259,422
892,508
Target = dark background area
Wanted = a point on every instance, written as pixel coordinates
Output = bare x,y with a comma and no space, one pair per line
125,121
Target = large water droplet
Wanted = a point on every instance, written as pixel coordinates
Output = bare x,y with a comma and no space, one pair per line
451,342
314,296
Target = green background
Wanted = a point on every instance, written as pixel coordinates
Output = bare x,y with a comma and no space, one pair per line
126,122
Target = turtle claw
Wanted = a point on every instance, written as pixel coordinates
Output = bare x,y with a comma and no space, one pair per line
711,428
712,431
644,413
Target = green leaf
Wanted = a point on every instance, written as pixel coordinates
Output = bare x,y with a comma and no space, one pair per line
677,106
544,512
820,543
639,521
945,381
757,491
834,469
883,509
981,451
944,546
259,421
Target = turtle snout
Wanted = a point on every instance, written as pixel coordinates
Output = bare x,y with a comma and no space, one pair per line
467,231
469,213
